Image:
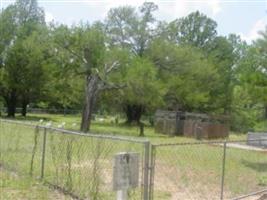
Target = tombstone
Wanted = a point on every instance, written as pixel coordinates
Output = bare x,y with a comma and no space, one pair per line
125,173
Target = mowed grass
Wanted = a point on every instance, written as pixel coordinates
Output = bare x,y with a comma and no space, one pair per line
179,170
106,125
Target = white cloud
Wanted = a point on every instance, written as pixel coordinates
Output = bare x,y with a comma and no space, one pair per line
253,34
48,17
168,9
215,6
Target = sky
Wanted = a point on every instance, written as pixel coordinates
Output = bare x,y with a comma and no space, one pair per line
243,17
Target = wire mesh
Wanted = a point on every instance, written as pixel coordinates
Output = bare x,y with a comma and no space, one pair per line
199,170
79,165
245,170
83,166
187,171
20,149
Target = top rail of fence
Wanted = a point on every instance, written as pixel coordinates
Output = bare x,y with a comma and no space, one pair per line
70,132
207,142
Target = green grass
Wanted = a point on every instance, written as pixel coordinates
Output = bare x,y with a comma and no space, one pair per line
109,127
180,170
13,186
261,126
198,169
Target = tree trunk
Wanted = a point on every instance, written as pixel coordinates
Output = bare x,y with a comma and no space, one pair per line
91,92
24,107
11,102
134,113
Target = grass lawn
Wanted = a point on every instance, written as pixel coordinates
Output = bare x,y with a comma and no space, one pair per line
107,126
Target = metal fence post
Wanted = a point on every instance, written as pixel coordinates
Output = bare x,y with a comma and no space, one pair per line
223,169
152,171
146,170
43,154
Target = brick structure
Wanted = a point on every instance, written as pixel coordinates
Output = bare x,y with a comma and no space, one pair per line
191,124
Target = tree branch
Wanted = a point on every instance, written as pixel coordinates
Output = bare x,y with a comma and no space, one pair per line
111,68
72,52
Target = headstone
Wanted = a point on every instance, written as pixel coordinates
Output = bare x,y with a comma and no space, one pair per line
125,171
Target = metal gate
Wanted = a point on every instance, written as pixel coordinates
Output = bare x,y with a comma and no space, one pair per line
207,170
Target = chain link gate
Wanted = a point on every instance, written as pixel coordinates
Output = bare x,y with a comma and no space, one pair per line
207,170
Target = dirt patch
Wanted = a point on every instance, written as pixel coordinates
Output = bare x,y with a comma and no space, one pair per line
187,184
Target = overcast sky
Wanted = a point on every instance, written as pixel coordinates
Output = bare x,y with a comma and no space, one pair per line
243,17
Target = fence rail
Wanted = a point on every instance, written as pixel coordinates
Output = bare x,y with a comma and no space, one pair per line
82,164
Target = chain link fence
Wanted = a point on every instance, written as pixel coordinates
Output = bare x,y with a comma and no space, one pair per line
80,165
208,170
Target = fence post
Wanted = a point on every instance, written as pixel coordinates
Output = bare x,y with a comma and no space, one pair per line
223,169
146,170
152,171
43,154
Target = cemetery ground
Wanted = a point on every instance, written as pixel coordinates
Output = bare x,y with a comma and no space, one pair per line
194,171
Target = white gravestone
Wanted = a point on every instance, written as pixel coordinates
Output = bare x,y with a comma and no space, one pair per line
125,173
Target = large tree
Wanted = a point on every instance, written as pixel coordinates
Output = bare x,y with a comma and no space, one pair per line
85,46
143,90
188,76
30,77
18,22
132,29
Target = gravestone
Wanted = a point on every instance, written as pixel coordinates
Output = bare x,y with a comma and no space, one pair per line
125,171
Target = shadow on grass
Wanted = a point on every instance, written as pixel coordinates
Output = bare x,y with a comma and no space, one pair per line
257,166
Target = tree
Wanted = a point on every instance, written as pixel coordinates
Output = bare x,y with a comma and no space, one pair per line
130,29
85,46
64,88
29,79
19,22
261,71
7,29
221,53
196,29
188,76
143,91
253,76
